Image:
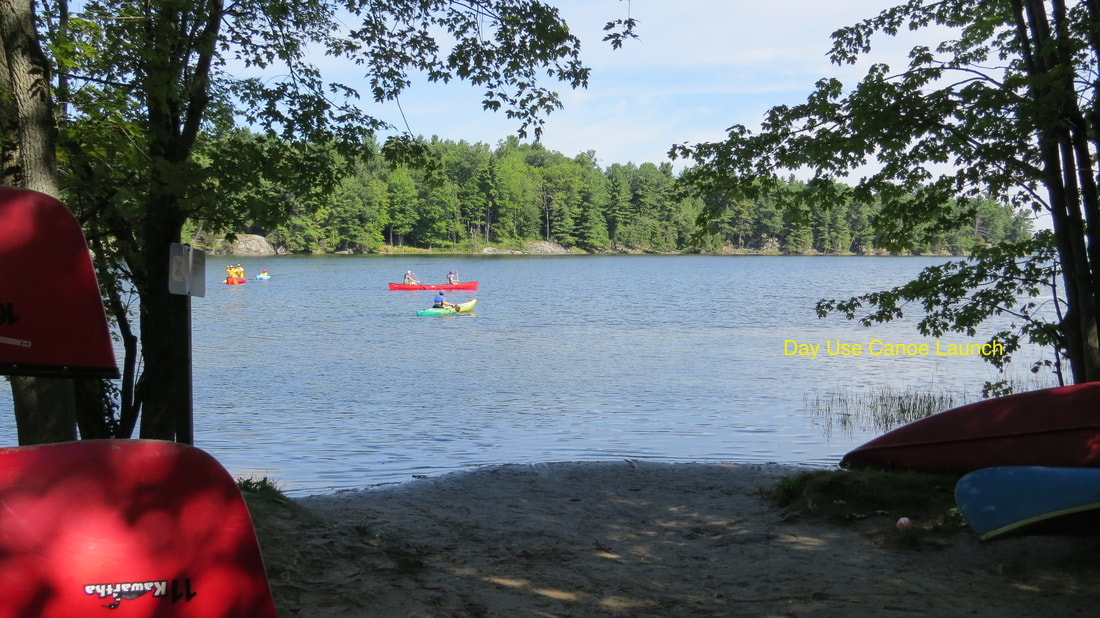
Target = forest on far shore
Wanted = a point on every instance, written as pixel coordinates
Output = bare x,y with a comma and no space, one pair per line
478,196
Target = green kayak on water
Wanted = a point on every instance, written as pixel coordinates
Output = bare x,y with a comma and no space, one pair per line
458,308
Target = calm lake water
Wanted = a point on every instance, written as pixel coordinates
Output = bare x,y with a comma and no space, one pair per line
321,378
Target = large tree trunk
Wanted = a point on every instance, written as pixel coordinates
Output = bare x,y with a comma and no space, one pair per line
44,407
1067,171
165,342
177,97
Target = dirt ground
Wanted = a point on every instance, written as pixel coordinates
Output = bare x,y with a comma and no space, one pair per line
633,538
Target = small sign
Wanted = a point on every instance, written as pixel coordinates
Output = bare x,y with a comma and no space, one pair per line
187,270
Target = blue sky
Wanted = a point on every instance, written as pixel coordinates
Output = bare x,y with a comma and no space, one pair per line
698,67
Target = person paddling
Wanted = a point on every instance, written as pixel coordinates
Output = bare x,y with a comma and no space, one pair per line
441,303
410,278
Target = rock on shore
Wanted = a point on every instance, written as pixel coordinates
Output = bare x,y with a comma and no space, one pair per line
246,244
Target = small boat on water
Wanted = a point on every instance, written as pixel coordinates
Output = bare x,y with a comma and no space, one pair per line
458,308
234,280
464,285
1049,427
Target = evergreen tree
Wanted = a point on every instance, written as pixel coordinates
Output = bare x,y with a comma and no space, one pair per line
404,206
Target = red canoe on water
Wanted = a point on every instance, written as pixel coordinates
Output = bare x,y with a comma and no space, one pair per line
465,285
1049,427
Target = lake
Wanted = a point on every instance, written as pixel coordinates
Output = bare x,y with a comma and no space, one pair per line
322,379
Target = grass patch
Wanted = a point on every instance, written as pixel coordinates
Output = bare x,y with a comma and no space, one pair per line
269,506
874,499
288,534
262,486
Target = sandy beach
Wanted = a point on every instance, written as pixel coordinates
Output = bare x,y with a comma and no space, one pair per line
635,538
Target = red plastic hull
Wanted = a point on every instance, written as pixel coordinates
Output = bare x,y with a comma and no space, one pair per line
1050,427
52,321
465,285
235,280
125,529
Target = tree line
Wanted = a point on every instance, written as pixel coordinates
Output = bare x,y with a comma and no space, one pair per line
474,195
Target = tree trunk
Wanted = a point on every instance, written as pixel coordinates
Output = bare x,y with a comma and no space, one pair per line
1067,175
165,388
177,95
44,407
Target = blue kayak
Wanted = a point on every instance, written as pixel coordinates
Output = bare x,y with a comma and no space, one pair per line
1029,499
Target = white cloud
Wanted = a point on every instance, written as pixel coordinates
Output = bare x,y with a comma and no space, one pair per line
698,67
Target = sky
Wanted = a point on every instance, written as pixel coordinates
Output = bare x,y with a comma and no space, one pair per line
697,67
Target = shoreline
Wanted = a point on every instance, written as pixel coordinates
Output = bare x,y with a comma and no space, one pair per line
426,477
253,245
639,538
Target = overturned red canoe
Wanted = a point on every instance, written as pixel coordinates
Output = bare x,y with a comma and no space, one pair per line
52,319
465,285
126,528
1050,427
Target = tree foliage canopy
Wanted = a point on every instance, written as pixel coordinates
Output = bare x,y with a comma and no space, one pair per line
162,124
1005,106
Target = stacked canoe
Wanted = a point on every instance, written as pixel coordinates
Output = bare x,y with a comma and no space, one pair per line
1030,461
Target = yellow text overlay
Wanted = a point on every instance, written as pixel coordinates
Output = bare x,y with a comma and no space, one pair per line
878,347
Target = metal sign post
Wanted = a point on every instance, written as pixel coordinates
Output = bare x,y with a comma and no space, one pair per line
187,277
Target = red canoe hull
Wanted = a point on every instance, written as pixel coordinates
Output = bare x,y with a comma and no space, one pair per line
1050,427
52,321
465,285
235,280
125,529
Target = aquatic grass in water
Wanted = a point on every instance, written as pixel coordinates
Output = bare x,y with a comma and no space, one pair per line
880,410
887,408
